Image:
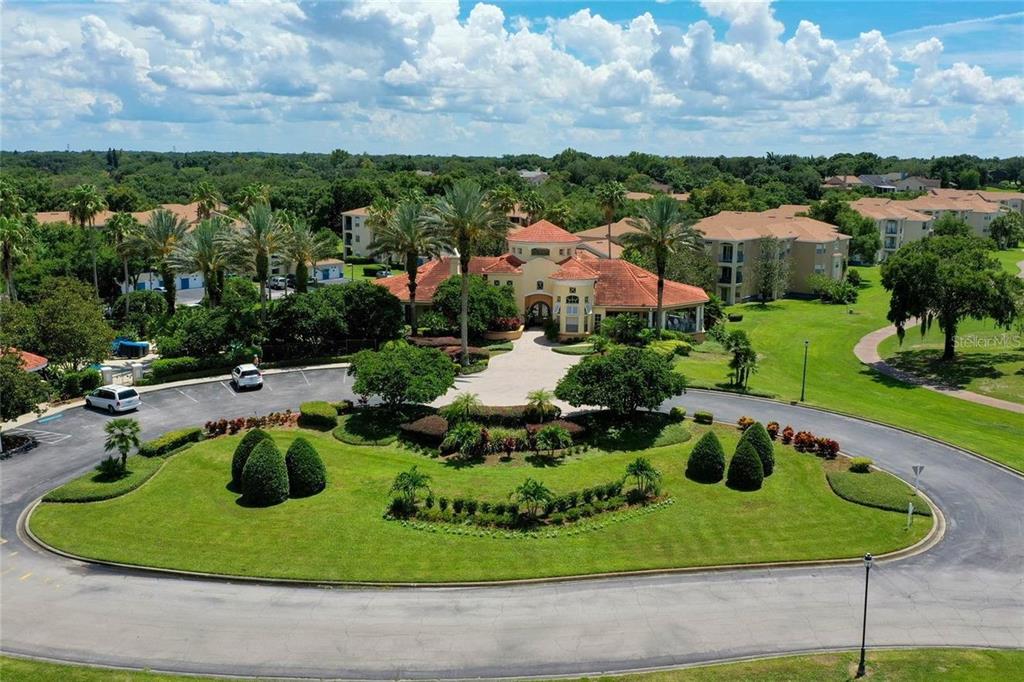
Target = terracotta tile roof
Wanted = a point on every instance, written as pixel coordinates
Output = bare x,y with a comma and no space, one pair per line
781,222
362,211
431,274
621,284
1000,196
843,180
619,228
188,212
886,209
965,201
30,361
542,232
575,268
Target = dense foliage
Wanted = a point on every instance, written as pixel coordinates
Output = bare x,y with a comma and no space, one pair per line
170,441
265,476
707,460
758,437
306,472
623,380
487,303
249,441
745,470
401,373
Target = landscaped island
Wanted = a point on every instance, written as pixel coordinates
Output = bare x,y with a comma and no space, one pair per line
188,516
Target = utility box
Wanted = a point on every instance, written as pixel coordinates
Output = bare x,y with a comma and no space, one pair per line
107,373
137,369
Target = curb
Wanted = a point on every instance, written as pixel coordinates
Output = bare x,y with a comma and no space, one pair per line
934,536
776,401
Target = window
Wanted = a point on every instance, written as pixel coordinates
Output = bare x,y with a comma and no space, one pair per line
357,238
561,252
726,253
508,283
572,290
819,248
540,285
890,227
819,268
497,283
540,252
890,242
572,314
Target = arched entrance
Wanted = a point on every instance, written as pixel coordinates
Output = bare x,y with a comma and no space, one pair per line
538,309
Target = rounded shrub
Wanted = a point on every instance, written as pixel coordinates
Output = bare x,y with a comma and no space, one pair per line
306,473
702,417
758,436
677,414
318,414
860,465
745,472
265,476
249,441
707,460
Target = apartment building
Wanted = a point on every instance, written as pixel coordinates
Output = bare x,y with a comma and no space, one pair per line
733,238
915,183
897,223
355,234
970,207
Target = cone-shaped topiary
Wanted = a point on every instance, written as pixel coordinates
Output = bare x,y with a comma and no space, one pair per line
745,472
758,436
707,460
306,473
265,476
249,441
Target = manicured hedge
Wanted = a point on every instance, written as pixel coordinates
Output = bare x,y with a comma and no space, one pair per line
306,472
162,368
876,489
265,476
677,414
703,417
860,465
429,429
245,447
707,460
343,406
318,414
758,436
575,430
93,487
745,472
172,440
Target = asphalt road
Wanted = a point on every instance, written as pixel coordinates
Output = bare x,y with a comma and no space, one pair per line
967,590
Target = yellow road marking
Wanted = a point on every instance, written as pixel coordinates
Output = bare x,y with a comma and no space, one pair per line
26,576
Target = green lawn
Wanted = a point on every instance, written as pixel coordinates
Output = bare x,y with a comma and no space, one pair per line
94,486
1009,258
340,534
990,362
910,665
837,380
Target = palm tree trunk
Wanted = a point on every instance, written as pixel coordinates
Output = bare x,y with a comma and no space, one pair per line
661,296
464,316
8,265
262,264
301,275
127,288
411,263
169,289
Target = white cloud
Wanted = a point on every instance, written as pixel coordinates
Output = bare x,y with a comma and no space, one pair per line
422,75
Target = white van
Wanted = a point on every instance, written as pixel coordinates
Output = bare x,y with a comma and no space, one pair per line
114,398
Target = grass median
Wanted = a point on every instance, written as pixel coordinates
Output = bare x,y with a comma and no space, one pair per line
340,534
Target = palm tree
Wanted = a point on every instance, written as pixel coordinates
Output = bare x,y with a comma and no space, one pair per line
463,408
86,202
611,196
465,215
504,198
15,238
379,213
122,435
260,238
253,195
532,494
207,197
410,236
646,476
305,247
663,230
409,483
206,249
532,204
159,240
125,230
541,403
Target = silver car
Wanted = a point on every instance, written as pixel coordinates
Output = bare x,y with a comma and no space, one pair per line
247,376
113,398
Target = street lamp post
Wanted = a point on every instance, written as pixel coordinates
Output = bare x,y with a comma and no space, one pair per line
803,381
868,559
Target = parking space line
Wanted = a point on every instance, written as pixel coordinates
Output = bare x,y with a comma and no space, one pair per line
186,395
228,389
5,572
48,437
304,376
26,576
268,386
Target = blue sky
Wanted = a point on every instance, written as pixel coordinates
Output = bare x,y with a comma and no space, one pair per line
708,77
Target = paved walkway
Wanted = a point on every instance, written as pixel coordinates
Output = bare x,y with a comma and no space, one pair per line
965,591
866,351
530,365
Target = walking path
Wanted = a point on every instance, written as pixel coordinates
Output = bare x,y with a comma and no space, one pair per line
964,591
866,351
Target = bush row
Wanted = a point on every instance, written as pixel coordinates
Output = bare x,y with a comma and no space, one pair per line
266,477
220,427
751,463
803,441
172,440
74,384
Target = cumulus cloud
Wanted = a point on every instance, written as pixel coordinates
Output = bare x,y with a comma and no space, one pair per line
424,73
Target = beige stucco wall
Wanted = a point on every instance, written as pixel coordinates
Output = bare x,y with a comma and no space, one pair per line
906,231
557,252
806,256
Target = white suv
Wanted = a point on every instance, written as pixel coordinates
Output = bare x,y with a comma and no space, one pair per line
247,376
114,398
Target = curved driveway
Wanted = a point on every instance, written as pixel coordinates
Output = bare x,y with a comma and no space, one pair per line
968,590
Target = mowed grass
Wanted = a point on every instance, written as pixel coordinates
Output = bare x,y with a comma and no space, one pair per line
95,486
910,665
186,518
836,380
990,359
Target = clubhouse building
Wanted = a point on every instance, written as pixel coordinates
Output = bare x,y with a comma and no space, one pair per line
553,276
